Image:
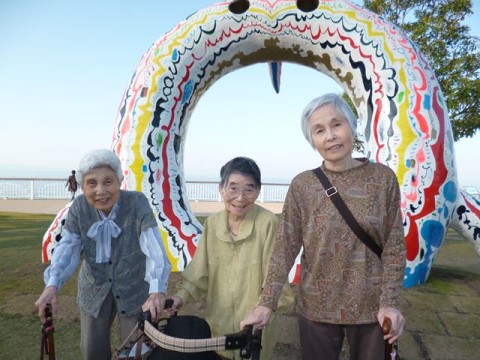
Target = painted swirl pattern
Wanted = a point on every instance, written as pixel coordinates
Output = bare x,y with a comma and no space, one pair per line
402,112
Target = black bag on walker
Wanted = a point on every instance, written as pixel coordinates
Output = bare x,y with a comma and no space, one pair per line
186,327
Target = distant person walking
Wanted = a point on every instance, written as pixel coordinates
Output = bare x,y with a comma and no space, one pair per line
72,184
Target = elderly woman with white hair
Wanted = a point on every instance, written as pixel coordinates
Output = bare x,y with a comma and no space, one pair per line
125,268
345,289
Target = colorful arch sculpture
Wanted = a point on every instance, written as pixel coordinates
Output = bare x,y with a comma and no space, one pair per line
402,113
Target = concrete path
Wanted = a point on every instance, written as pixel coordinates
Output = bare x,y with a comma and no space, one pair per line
199,208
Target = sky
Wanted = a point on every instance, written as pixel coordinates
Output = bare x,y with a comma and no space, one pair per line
64,66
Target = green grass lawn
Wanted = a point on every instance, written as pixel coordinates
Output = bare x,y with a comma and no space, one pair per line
456,273
21,283
21,274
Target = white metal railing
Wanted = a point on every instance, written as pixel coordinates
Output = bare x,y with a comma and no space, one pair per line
37,188
40,188
25,188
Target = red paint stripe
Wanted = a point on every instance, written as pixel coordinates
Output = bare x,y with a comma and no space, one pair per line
430,193
472,207
168,201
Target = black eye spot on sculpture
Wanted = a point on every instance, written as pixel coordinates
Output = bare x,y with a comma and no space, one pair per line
239,6
307,5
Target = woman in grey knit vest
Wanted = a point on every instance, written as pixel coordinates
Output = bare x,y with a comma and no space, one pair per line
125,268
346,290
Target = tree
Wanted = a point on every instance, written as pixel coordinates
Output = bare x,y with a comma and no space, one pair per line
437,28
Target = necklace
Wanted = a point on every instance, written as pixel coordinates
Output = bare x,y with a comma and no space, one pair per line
232,233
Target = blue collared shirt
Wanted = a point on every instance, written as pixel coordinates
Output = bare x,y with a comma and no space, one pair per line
66,256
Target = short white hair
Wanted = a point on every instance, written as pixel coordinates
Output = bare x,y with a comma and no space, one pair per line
97,159
328,99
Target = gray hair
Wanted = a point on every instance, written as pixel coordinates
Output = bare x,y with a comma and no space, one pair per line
328,99
244,166
97,159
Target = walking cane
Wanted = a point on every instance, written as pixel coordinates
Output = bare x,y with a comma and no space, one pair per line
390,349
47,346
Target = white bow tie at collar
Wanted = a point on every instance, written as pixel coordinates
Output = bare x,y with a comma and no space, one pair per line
102,232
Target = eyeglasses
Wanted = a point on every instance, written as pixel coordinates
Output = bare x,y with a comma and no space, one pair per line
235,191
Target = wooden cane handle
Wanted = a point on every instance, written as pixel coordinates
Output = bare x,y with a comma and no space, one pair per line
48,312
48,329
387,325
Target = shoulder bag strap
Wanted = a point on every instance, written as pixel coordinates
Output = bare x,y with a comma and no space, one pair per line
332,193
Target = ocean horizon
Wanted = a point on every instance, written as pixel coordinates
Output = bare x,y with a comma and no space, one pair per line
35,173
16,172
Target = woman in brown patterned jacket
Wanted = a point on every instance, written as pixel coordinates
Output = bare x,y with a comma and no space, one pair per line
345,288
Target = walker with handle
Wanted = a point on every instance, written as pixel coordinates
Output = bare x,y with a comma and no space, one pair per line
152,336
